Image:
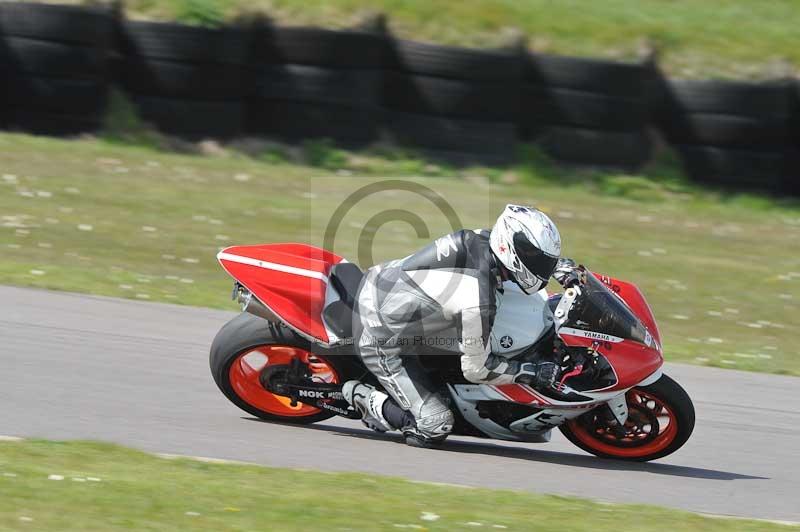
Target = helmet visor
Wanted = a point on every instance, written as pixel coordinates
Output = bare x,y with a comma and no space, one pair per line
534,259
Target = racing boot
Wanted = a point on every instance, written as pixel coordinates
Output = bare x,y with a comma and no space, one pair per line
415,438
369,402
428,432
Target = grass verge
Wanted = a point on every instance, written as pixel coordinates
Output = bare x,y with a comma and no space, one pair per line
99,217
94,486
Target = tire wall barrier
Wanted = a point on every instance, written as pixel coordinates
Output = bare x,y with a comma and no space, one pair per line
54,67
587,111
734,132
293,83
188,81
452,99
310,82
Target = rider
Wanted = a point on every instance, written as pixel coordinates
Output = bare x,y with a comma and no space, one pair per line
444,295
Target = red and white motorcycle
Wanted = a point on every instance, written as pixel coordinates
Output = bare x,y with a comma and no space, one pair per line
285,357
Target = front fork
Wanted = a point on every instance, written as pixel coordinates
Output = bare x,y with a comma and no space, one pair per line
618,406
294,381
617,410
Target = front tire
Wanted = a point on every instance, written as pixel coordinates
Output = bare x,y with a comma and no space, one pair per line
244,347
660,420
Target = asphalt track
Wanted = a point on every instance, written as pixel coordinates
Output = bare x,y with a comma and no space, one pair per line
136,373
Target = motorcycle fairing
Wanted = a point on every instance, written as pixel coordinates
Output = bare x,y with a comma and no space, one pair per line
632,362
635,300
290,279
534,428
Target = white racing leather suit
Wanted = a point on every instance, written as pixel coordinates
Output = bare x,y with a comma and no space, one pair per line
438,300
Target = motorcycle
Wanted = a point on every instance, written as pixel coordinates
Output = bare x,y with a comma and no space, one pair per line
287,355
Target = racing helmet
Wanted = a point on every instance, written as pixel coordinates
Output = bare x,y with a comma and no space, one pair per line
525,240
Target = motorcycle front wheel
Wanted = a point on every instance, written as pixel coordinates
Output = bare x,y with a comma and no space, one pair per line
660,420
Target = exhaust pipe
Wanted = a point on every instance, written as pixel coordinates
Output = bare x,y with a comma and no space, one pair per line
252,304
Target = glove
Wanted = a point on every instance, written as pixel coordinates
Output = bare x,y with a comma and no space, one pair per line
541,375
567,273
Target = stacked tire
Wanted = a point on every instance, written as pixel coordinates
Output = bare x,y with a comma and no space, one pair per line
314,83
187,81
457,102
792,182
53,67
586,111
733,133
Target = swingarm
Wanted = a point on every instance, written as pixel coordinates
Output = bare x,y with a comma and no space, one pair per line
294,381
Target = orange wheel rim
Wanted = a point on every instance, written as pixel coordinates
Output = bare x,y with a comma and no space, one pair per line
245,371
651,427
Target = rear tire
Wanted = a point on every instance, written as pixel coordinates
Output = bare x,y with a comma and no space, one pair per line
243,334
677,404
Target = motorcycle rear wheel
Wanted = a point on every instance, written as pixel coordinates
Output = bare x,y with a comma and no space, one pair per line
660,420
245,346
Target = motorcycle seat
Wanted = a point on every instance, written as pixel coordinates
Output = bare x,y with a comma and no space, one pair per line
345,278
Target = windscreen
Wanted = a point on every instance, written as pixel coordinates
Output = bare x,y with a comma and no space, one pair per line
600,310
